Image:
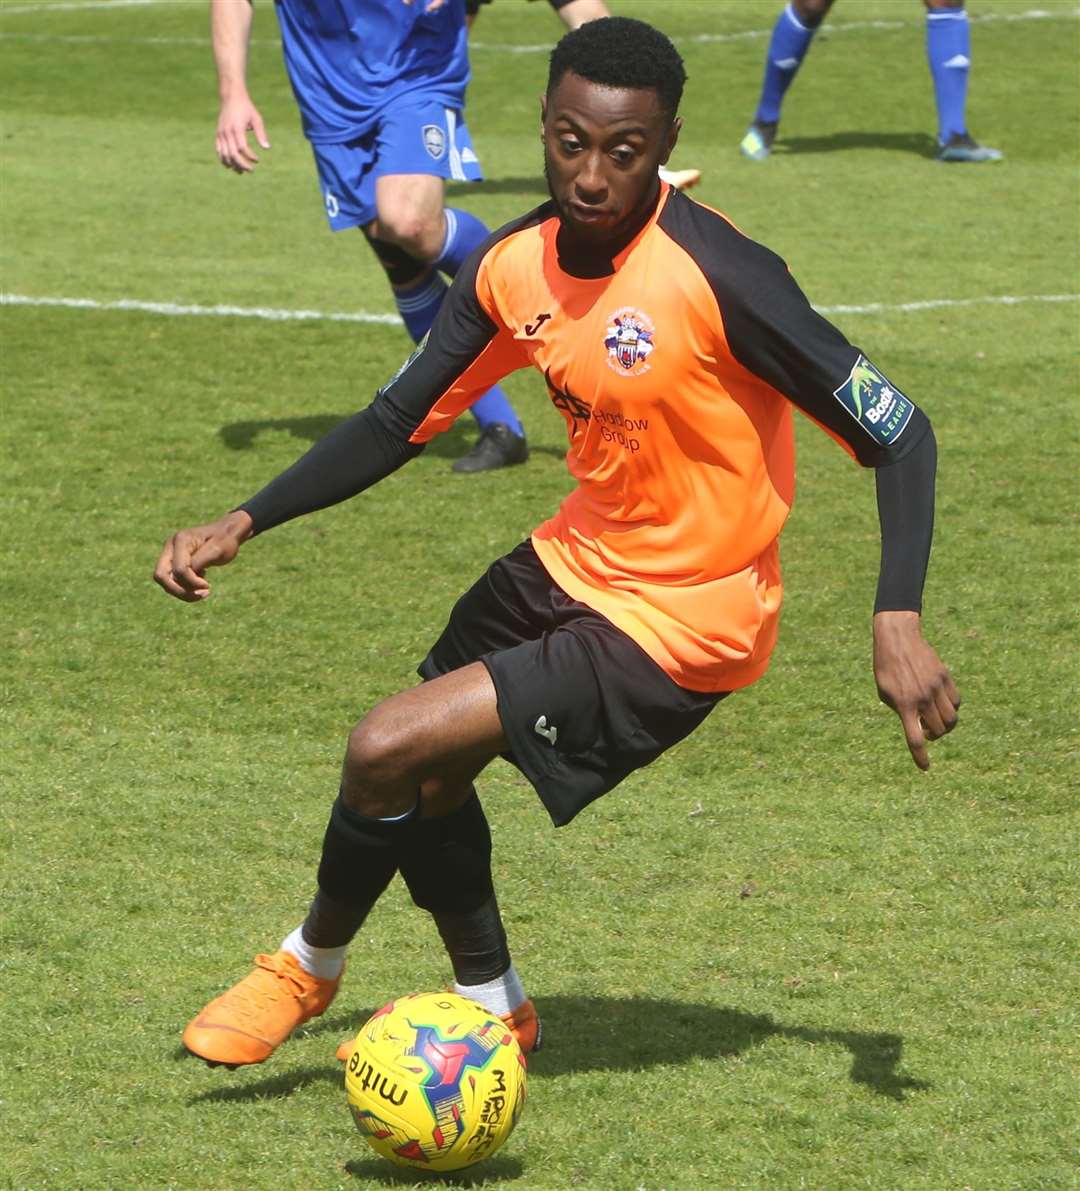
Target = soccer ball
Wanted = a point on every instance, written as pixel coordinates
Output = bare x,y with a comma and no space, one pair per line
435,1081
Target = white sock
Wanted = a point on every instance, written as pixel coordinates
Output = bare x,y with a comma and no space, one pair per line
500,996
324,962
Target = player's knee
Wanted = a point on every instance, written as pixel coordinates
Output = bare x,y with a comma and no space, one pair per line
414,232
376,760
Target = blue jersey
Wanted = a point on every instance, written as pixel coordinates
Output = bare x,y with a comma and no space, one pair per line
348,60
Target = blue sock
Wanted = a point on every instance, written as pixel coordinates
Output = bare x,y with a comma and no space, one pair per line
787,48
948,50
464,232
495,406
418,307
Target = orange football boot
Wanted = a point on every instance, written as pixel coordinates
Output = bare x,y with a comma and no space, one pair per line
250,1021
523,1022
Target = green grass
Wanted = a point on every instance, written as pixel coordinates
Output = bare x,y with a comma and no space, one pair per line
780,957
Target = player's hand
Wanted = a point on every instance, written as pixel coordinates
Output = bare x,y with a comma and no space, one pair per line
185,556
237,118
429,5
913,681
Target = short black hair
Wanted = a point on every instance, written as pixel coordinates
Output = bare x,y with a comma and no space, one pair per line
621,52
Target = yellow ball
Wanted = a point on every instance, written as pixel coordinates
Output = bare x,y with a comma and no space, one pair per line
435,1082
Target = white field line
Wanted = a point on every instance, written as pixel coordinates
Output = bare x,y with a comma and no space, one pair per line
174,309
1035,14
78,6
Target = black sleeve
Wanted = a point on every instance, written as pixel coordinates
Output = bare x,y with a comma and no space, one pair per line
353,456
774,332
375,442
472,7
905,498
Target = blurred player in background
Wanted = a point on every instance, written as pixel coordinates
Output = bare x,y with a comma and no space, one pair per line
673,347
948,51
381,89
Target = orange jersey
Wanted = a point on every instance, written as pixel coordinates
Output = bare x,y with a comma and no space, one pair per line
675,373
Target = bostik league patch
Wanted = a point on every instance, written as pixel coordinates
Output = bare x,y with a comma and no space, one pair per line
879,407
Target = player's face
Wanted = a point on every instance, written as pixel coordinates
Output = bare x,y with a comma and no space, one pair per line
602,147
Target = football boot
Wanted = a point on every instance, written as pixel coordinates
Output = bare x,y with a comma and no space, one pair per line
250,1021
961,148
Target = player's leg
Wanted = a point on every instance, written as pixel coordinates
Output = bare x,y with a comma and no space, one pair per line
791,37
419,146
413,755
948,52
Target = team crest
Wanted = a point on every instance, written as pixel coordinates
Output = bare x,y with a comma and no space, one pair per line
629,341
434,141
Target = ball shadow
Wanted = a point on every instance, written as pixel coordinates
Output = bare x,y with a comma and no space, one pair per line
493,1170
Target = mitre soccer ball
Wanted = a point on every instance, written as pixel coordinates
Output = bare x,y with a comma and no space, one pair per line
435,1081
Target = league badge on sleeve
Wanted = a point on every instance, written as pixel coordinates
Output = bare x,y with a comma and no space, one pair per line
879,407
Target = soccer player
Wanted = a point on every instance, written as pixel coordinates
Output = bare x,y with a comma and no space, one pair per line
381,89
674,348
948,51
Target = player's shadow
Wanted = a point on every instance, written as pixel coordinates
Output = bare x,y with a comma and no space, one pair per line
241,436
918,143
617,1034
585,1034
531,184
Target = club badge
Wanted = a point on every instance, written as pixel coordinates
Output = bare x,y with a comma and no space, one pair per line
434,141
629,341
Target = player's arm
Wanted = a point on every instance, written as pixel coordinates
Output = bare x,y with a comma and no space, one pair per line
230,35
464,354
774,332
574,13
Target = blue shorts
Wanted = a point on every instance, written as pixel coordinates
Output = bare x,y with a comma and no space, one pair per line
421,137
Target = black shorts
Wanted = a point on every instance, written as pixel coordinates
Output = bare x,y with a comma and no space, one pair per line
580,702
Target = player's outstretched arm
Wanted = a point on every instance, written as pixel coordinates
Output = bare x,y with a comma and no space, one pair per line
230,34
913,681
182,564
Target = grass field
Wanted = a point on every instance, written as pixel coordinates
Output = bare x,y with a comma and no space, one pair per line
780,957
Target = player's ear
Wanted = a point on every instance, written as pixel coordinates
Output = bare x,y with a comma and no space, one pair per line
543,113
671,139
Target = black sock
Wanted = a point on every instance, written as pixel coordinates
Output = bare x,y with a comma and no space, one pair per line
475,942
446,863
359,859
